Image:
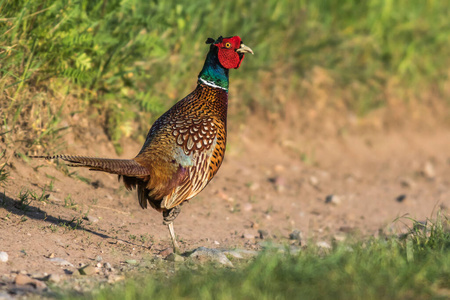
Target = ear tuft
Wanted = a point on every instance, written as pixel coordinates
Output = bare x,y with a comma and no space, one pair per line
210,41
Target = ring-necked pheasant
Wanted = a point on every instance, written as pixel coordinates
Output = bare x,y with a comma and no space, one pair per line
185,146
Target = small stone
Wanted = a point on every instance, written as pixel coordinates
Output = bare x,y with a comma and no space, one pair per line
263,234
55,278
108,266
323,245
51,255
22,279
279,169
248,236
216,243
254,186
280,184
6,296
295,235
52,197
88,270
428,170
254,225
131,261
401,198
241,253
115,278
97,184
314,181
407,183
3,257
340,237
247,207
166,252
175,257
92,219
202,254
224,196
98,258
333,199
60,262
98,265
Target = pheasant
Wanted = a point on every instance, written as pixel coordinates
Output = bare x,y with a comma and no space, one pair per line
185,147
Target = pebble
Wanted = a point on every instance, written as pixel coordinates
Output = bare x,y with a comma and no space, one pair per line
175,257
263,234
131,261
115,278
248,236
280,184
22,279
60,262
407,183
3,257
55,278
314,181
88,270
333,199
247,207
254,187
92,219
98,258
323,245
6,296
340,237
108,266
241,253
296,235
166,252
428,170
400,198
52,197
202,254
279,169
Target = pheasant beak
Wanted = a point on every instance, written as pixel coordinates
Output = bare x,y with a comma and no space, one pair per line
244,49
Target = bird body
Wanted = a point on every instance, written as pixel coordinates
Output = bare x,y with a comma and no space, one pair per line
185,147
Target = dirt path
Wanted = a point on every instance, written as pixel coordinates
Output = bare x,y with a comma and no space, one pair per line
271,185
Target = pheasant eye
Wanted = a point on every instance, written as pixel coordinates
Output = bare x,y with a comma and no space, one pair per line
227,45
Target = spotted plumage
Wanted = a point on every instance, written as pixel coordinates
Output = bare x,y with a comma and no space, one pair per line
185,147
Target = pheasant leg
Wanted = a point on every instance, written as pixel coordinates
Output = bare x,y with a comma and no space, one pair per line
176,248
169,216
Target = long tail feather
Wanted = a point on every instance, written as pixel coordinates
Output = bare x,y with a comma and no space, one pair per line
127,167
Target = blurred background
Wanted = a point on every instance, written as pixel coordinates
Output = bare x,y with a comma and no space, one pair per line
332,66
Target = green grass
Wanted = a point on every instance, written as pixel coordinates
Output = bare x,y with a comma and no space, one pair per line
412,267
126,61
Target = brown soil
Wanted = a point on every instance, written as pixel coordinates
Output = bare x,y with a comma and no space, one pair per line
265,183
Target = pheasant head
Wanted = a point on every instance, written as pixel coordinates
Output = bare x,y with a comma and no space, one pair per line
224,54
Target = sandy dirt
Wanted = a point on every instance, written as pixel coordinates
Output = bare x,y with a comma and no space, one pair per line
266,184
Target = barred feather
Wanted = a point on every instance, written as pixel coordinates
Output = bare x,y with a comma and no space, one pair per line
127,167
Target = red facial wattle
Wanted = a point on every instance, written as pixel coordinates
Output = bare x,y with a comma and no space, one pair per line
228,57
